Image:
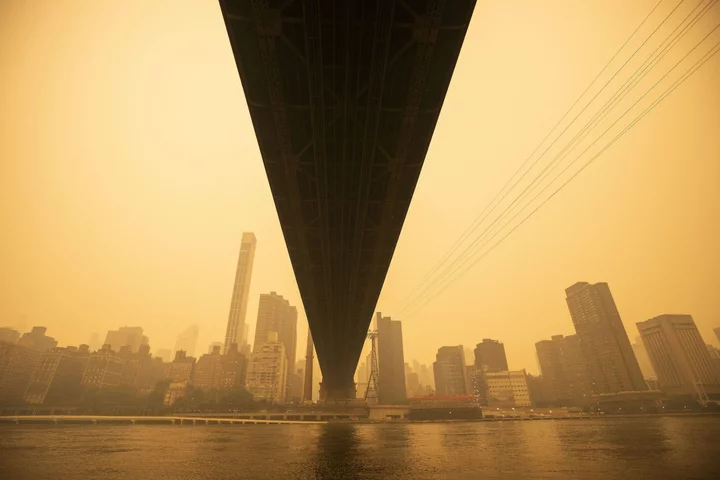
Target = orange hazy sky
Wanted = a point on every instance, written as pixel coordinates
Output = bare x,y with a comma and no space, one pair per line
129,170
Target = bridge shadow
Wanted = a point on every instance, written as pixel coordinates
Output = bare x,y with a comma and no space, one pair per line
338,453
349,452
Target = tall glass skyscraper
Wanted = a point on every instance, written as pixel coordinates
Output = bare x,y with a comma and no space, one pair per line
391,361
275,314
238,305
679,355
611,362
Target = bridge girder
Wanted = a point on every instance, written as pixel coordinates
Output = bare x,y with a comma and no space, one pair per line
344,97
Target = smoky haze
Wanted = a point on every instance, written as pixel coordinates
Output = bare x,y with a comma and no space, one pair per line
129,170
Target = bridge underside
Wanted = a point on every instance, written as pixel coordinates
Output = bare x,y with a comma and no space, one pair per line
344,97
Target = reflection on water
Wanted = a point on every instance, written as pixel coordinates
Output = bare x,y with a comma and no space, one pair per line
634,448
338,454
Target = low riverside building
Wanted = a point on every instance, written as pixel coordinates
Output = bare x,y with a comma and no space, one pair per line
104,369
16,366
181,369
507,389
57,376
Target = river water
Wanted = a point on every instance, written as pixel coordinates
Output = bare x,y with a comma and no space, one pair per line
622,448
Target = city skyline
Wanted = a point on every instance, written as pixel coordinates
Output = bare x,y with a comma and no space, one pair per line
574,369
136,338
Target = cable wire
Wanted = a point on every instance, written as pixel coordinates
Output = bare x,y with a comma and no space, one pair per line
610,104
590,124
639,117
481,217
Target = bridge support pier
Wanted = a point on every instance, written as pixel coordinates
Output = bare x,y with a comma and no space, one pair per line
336,394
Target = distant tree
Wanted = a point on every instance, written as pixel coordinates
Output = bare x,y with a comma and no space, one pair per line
236,398
110,397
156,398
197,397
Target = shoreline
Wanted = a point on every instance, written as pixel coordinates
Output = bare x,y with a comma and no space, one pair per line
191,420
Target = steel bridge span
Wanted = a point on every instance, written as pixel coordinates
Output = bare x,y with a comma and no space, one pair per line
344,96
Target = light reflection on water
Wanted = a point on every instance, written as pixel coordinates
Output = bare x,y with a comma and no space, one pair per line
632,448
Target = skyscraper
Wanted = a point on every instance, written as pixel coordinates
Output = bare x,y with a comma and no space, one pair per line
449,369
717,333
275,314
563,369
679,356
126,336
241,290
391,361
490,356
187,340
612,366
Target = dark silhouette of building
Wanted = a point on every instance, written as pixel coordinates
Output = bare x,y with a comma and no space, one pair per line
275,314
450,373
9,335
37,340
490,356
391,361
57,376
16,366
612,365
679,356
564,371
235,332
717,333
